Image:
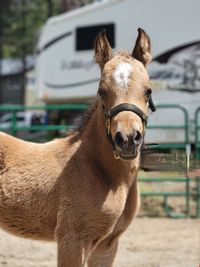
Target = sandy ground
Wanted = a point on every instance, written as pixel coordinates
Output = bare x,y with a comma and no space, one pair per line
147,243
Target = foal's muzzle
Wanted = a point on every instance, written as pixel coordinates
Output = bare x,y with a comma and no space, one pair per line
124,146
128,146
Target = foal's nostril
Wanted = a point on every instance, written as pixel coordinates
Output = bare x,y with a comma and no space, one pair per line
119,140
128,143
137,136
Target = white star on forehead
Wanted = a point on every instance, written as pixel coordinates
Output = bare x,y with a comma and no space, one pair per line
122,73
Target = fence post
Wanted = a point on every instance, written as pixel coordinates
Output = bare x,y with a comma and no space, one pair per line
14,123
197,128
188,153
198,196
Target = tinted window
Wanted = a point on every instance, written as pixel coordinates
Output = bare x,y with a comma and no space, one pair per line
17,119
85,36
20,119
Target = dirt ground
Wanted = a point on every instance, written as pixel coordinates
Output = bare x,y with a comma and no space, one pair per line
147,243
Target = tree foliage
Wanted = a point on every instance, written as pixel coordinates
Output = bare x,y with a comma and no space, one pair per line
21,20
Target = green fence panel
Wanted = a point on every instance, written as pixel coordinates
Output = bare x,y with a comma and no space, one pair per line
15,108
184,126
167,194
14,129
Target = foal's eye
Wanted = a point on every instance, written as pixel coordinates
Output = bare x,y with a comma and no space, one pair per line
148,93
101,93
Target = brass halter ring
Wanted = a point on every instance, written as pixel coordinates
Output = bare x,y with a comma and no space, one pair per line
116,154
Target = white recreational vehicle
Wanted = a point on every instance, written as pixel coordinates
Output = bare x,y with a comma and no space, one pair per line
66,71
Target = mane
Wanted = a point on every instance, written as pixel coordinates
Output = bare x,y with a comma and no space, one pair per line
82,120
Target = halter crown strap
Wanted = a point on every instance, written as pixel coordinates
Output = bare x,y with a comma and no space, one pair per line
151,104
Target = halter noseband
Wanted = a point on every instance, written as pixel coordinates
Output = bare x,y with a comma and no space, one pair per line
109,114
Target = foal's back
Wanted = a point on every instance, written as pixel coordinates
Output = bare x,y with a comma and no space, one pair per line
29,182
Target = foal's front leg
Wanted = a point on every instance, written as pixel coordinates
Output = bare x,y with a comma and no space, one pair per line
71,253
103,257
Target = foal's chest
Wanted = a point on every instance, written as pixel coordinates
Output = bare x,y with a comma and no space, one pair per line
122,210
115,202
115,207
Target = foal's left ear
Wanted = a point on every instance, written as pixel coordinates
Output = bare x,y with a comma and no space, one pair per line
142,49
103,50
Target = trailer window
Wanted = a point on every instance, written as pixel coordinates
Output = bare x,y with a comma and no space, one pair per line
85,36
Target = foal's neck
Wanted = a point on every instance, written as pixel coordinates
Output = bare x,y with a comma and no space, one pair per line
100,151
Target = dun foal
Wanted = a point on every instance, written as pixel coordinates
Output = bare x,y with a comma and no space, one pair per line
82,190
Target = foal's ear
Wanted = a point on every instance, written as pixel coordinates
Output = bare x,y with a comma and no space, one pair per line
103,50
142,49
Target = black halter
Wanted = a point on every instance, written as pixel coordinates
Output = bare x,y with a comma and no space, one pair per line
109,114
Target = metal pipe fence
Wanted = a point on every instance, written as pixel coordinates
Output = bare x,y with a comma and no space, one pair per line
14,129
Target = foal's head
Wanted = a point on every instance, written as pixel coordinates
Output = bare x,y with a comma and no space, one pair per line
125,93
